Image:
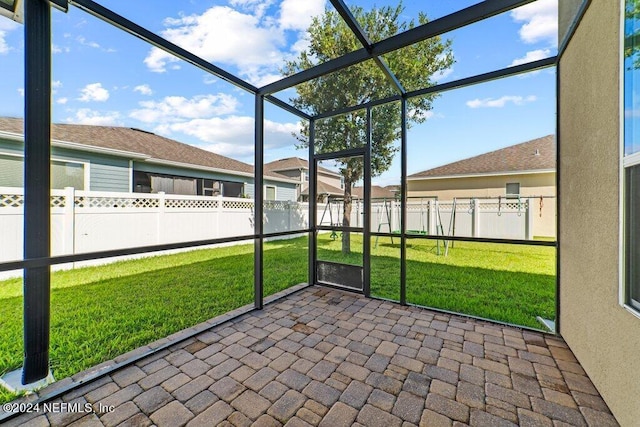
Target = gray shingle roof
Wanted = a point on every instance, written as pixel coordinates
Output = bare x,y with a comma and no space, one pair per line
377,192
537,154
323,188
292,163
138,141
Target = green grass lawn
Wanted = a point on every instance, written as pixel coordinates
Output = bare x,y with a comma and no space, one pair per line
98,313
509,283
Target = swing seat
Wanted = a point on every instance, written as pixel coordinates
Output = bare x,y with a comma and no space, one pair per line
422,232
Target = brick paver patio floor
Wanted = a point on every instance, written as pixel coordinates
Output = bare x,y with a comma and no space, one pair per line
328,358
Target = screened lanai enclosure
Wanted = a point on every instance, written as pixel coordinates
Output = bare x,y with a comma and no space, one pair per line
357,112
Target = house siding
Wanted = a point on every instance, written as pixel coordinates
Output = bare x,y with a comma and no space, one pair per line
603,335
109,177
111,173
284,191
106,173
11,147
293,174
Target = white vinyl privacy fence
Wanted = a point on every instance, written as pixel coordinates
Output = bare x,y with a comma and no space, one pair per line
89,221
490,218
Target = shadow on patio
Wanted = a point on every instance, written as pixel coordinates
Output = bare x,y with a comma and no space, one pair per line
331,358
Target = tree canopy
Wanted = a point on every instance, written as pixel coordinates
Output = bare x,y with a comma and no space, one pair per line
632,36
415,67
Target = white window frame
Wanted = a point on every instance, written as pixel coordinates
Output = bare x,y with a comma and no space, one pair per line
506,186
275,191
625,162
85,165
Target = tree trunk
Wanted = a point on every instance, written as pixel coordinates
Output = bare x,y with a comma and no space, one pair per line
346,218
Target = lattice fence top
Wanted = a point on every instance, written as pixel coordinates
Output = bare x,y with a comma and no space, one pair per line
239,204
191,204
116,202
11,200
58,201
280,205
460,207
417,207
494,206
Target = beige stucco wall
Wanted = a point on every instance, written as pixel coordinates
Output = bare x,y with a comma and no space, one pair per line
531,185
603,335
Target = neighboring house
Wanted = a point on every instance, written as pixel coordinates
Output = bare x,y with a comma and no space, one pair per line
526,170
395,189
323,192
377,193
330,183
120,159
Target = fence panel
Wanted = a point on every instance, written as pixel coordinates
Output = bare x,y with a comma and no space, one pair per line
88,221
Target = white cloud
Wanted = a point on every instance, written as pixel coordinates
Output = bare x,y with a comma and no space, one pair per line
6,26
209,79
21,91
257,7
83,41
86,116
254,42
56,84
540,21
178,108
246,43
533,55
94,92
297,15
233,136
62,101
442,75
499,102
143,89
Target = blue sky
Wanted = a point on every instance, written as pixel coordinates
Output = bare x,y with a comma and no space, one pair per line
104,76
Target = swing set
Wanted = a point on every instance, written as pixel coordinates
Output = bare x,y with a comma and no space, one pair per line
384,215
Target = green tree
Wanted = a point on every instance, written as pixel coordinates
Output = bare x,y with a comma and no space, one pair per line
414,66
632,34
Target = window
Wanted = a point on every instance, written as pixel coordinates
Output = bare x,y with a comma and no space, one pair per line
144,182
11,174
141,182
270,193
232,189
513,189
342,182
306,176
632,235
67,174
63,173
631,157
209,187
